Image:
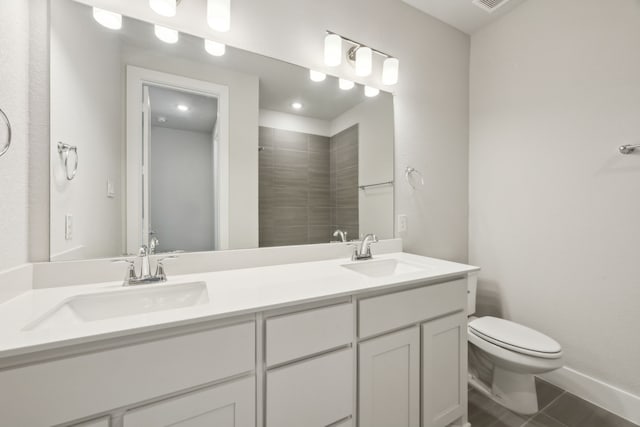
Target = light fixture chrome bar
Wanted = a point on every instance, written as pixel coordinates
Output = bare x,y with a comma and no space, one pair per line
357,45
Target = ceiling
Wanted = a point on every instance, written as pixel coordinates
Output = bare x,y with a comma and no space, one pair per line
281,83
462,14
201,117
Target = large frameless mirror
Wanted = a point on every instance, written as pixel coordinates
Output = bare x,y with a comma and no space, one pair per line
191,146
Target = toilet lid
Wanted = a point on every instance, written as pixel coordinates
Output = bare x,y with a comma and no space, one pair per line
513,336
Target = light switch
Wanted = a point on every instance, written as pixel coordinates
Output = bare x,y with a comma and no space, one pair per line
111,191
68,227
403,223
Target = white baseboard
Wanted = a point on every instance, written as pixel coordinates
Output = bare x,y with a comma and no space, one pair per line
599,393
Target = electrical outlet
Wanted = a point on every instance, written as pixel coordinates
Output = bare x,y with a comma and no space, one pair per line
111,191
68,227
403,223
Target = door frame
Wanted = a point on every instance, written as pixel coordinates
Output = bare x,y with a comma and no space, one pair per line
137,78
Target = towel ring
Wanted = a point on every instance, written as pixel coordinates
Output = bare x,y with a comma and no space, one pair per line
409,172
64,150
7,143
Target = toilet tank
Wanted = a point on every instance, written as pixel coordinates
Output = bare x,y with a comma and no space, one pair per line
472,287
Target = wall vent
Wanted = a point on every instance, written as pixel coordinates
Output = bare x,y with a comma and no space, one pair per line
490,5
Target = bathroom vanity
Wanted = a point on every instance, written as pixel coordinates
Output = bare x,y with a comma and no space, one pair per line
325,343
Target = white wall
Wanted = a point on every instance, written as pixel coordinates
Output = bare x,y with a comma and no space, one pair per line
294,123
431,106
374,118
181,189
554,208
86,111
14,91
243,135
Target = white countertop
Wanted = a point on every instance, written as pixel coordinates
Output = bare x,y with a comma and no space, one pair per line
231,292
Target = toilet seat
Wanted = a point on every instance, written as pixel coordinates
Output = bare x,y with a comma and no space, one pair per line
515,337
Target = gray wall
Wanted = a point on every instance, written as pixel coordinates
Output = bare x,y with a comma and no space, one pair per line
344,181
295,203
181,189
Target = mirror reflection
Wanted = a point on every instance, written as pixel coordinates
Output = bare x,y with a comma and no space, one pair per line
194,146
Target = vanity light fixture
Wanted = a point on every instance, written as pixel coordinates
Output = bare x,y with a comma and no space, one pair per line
364,61
332,50
390,71
361,56
110,20
317,76
214,48
296,106
182,107
345,84
164,7
167,35
219,15
371,91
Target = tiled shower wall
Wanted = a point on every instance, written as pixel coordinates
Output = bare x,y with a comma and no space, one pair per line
344,181
308,186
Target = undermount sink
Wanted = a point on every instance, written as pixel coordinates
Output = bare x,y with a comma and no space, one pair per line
383,267
108,305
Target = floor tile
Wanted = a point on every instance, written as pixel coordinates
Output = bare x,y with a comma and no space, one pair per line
542,420
483,412
575,412
546,392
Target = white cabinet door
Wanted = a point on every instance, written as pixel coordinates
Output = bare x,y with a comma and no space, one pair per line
389,380
314,393
226,405
444,370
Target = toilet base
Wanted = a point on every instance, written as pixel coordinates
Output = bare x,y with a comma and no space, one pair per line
514,391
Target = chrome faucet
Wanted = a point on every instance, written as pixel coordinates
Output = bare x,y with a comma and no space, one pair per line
341,234
362,249
145,277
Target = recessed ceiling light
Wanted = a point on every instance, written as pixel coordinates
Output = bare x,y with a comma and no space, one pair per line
183,107
296,106
317,76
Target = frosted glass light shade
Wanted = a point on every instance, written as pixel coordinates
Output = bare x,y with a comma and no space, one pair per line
167,35
215,48
111,20
364,61
317,76
390,71
219,15
371,91
345,84
163,7
332,50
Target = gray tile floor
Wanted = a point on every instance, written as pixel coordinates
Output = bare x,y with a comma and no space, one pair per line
558,408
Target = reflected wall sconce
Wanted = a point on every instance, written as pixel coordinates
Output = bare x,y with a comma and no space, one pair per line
164,7
107,19
361,56
214,48
167,35
317,76
345,84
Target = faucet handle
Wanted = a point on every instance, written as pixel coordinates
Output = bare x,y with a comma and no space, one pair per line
143,251
130,274
160,273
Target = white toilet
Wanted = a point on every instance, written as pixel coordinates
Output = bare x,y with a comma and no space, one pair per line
504,358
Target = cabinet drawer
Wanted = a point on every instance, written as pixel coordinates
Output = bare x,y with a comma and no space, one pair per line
297,335
93,383
314,393
393,311
226,405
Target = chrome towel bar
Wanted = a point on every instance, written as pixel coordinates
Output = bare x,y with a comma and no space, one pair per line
364,187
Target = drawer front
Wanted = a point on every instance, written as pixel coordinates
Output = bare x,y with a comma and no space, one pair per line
98,382
314,393
225,405
297,335
393,311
